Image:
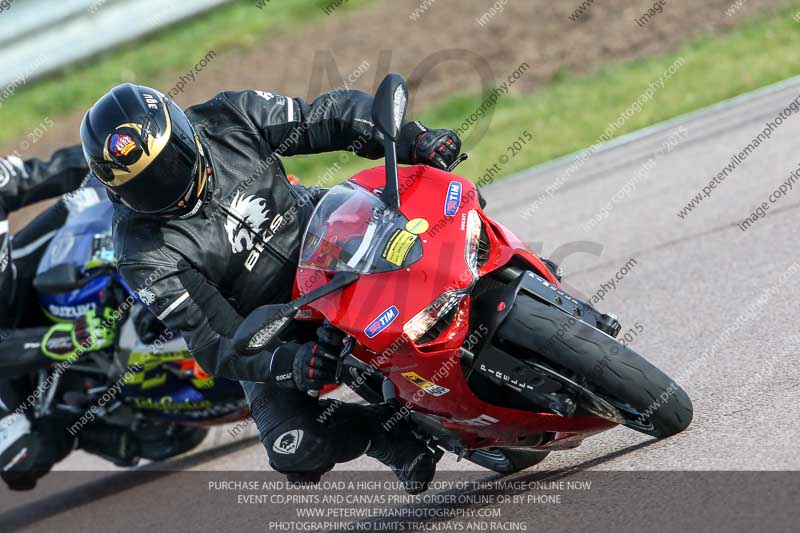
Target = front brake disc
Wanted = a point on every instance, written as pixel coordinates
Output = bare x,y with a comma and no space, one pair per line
593,403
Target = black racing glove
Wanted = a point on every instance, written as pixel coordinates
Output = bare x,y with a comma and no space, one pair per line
309,366
435,148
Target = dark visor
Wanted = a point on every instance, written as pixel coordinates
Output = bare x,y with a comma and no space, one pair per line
170,176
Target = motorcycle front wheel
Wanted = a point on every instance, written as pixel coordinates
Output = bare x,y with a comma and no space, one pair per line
607,378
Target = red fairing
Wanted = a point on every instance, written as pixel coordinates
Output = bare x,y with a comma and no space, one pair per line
428,377
506,240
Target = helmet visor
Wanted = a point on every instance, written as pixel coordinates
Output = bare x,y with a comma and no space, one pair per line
167,179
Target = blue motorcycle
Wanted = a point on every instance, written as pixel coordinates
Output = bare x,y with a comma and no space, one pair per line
147,386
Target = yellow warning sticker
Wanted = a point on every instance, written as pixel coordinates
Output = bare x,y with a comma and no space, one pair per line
431,388
417,226
398,246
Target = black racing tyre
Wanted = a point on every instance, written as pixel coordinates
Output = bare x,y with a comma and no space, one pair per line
648,400
506,460
182,440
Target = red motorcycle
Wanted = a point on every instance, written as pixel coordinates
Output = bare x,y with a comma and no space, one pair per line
451,320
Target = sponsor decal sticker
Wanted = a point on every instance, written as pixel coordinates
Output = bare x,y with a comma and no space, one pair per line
303,313
196,410
431,388
15,426
123,148
398,246
482,420
248,219
81,199
121,145
150,101
417,226
59,344
288,443
68,311
453,200
22,454
9,167
147,296
102,249
381,322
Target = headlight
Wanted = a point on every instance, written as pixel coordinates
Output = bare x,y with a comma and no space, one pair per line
428,317
474,227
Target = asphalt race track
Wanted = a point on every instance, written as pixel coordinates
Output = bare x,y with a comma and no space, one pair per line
712,305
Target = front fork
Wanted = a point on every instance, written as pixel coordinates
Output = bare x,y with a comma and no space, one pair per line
507,371
541,289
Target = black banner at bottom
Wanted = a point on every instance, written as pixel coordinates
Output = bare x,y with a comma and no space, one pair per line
164,501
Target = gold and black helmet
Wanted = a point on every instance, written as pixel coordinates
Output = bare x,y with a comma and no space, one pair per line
141,146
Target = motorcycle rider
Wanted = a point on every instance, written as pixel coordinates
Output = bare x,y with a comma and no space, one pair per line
28,447
203,203
24,182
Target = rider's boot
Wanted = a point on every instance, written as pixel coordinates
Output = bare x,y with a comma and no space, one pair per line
18,447
118,445
412,461
28,451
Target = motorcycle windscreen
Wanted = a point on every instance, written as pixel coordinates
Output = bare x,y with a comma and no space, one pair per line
84,241
353,230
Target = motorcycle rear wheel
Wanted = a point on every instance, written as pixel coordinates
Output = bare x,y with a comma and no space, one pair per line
182,439
642,396
506,460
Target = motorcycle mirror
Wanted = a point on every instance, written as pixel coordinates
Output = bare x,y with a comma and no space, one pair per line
390,105
59,279
265,324
388,112
262,326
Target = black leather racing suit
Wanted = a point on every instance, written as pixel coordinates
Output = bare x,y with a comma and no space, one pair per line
24,182
202,274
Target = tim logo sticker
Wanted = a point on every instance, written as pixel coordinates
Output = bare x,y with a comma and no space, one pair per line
381,322
453,200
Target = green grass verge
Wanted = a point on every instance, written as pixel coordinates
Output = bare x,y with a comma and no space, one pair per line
175,49
571,112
